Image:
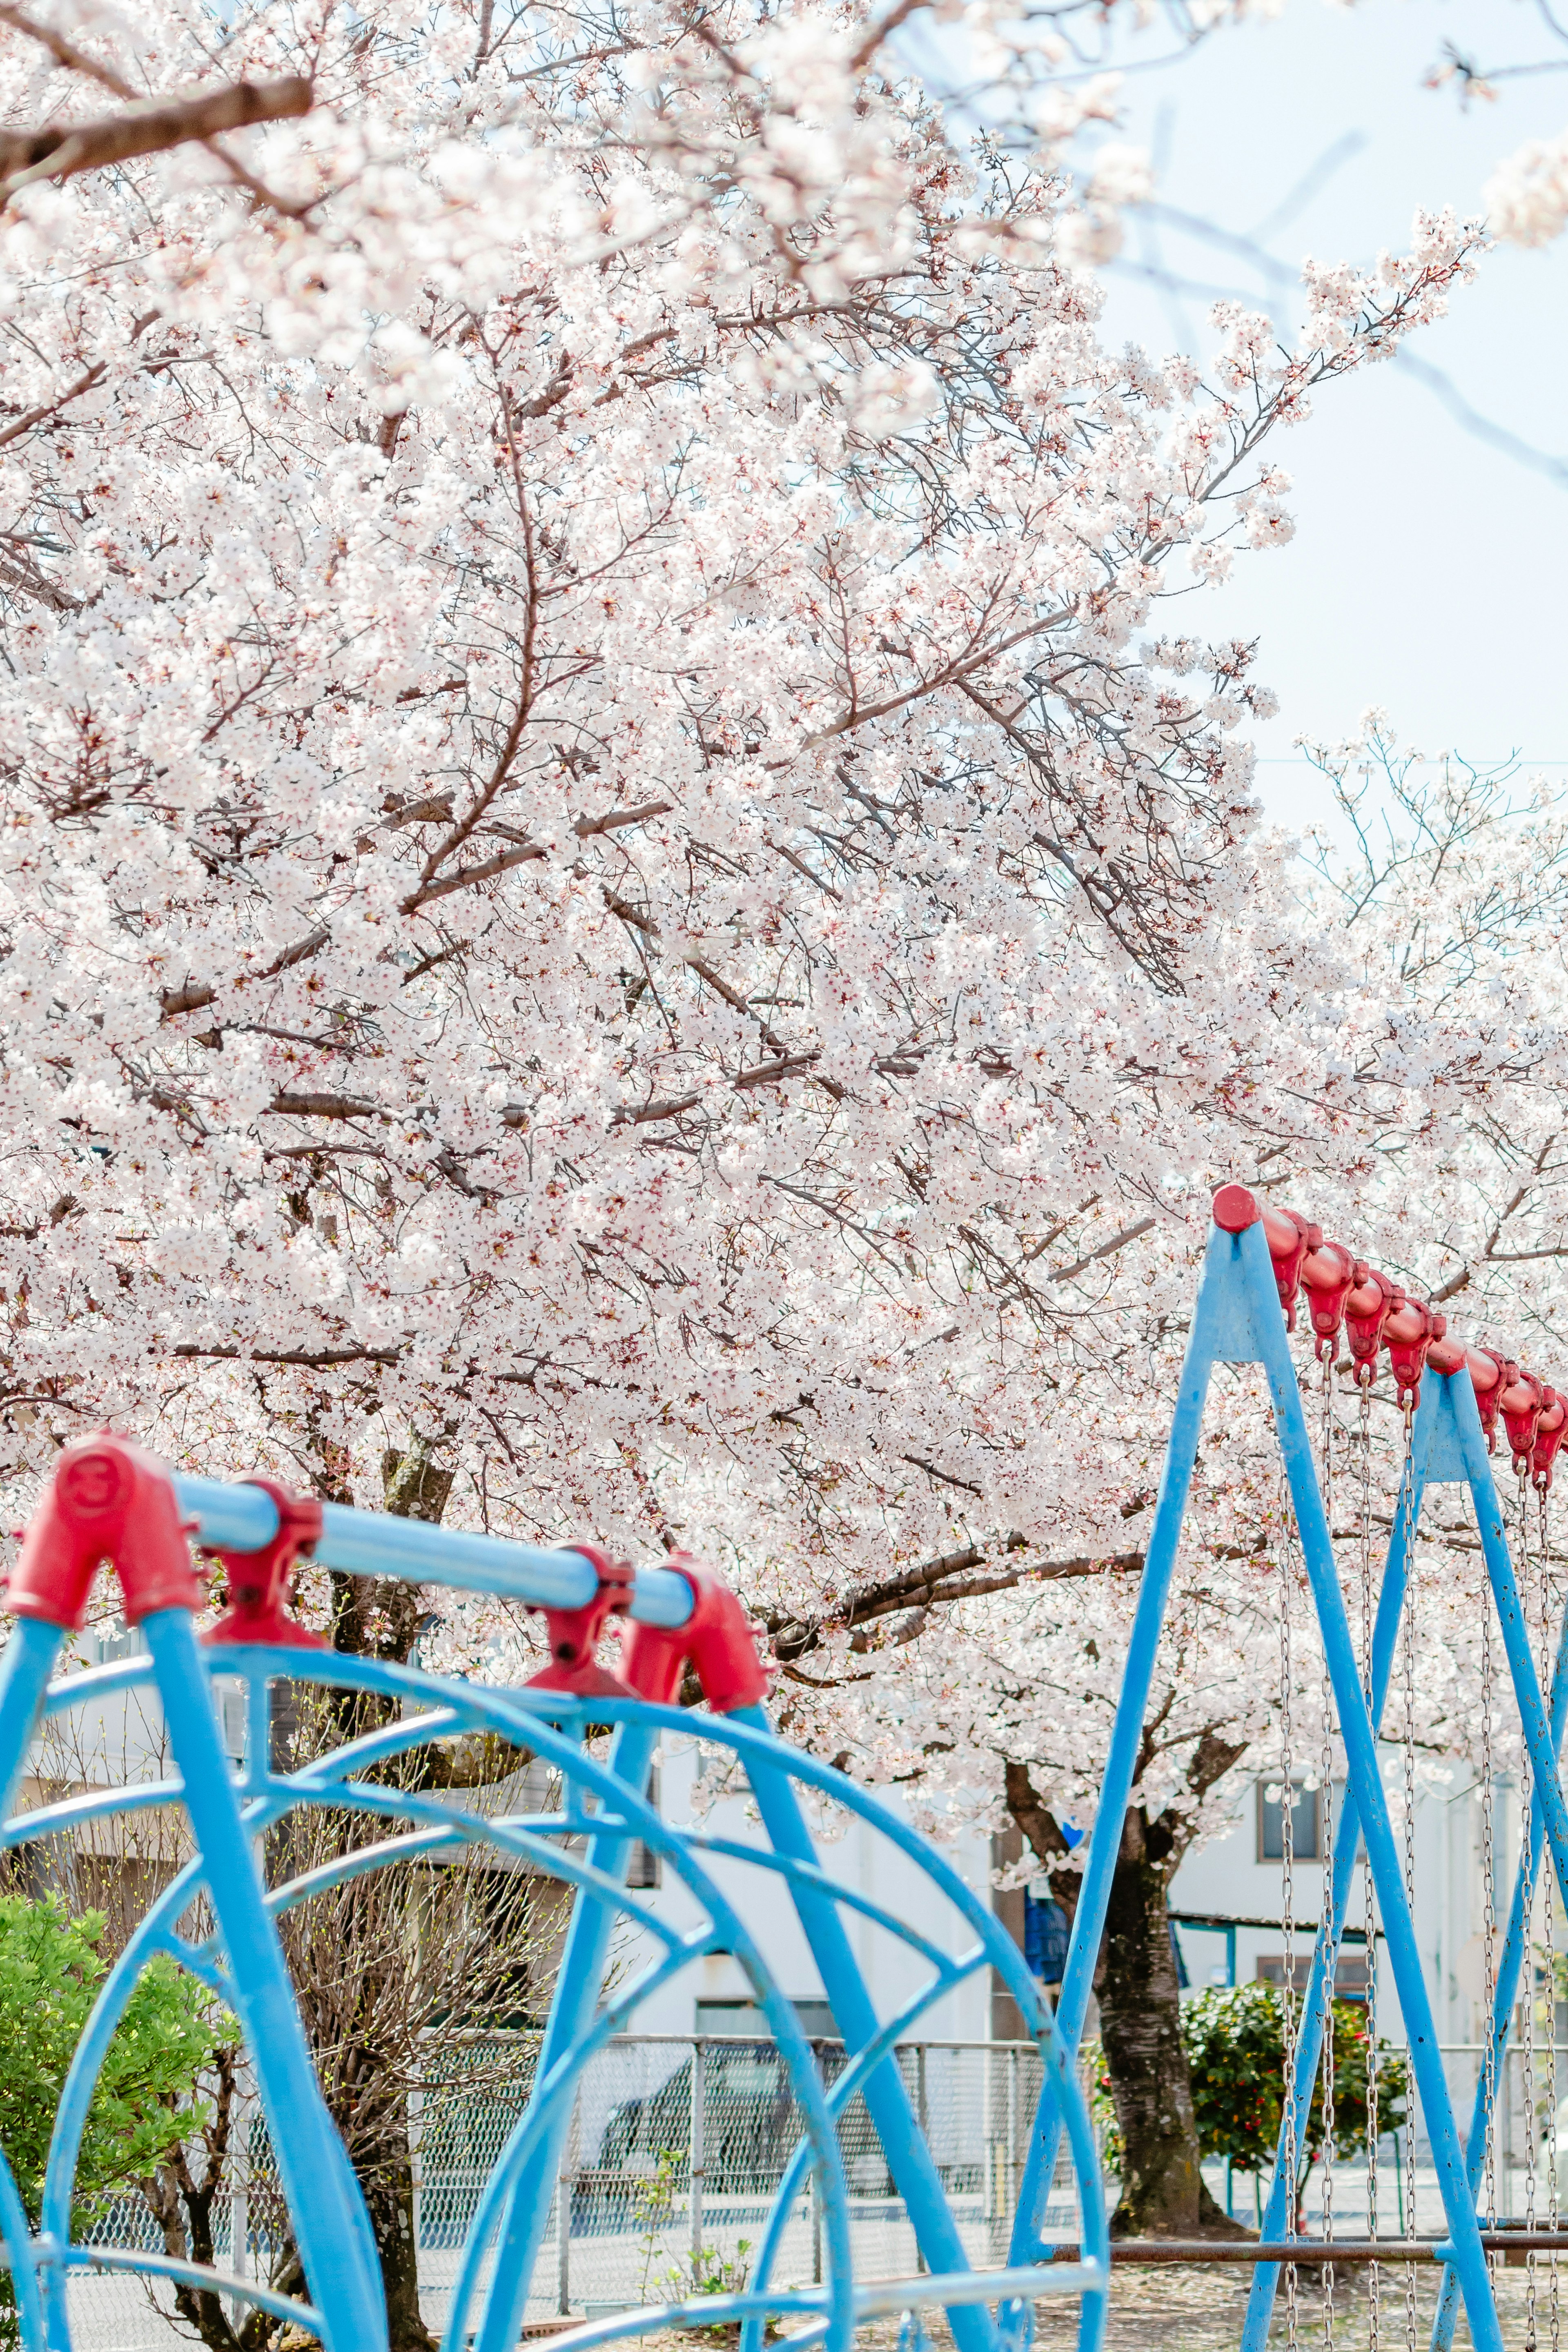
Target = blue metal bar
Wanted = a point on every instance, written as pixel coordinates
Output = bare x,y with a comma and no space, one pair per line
1366,1780
1509,1969
372,1543
1515,1633
118,2258
1280,2219
886,2102
21,2255
25,1666
28,1662
1153,1591
331,2225
525,2215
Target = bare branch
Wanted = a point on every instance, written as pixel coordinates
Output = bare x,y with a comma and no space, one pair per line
57,150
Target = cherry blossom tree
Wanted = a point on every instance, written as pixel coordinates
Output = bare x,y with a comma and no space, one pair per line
985,1686
612,878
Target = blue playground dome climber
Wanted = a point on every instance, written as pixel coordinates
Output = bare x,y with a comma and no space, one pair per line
110,1505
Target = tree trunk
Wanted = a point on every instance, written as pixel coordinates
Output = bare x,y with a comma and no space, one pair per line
389,2198
1163,2190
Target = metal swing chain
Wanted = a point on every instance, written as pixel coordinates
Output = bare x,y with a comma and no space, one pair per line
1327,1993
1527,2024
1549,1926
1407,1652
1369,1898
1489,1904
1327,1852
1287,1847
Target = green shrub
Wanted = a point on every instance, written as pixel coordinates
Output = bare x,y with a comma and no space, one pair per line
50,1971
1234,2041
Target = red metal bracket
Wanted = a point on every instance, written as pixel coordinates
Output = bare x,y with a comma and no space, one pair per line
1365,1316
1522,1402
1487,1399
1234,1209
261,1584
107,1501
1407,1349
575,1633
1288,1263
716,1638
1549,1430
1328,1277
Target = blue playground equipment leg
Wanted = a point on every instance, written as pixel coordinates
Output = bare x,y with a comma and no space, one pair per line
331,2225
25,1669
25,1666
1280,2211
1509,1969
1204,1346
886,2102
1366,1783
526,2214
1515,1635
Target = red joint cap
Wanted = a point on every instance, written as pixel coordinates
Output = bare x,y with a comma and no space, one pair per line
1549,1430
575,1633
261,1584
1487,1397
1372,1298
1234,1209
1447,1356
1521,1402
108,1500
716,1638
1407,1335
1289,1259
1328,1277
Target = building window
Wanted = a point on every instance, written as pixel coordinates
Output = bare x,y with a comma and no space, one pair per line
1350,1975
1304,1819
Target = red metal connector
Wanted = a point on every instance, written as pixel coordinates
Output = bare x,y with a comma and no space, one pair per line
107,1501
1407,1335
1234,1209
716,1638
1328,1277
1522,1402
1549,1430
1371,1302
261,1584
1488,1397
1288,1263
575,1633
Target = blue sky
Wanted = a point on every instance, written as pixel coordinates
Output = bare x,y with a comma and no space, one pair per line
1427,572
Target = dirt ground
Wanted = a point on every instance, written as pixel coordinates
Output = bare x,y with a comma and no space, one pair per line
1200,2310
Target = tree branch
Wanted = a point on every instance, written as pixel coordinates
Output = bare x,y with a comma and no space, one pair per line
59,150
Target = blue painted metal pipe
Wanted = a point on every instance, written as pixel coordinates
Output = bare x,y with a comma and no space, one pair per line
331,2226
372,1543
1366,1780
1515,1635
25,1669
25,1666
1510,1967
1205,1343
1279,2217
886,2102
526,2215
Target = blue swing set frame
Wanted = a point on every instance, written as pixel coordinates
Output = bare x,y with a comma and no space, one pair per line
1239,1318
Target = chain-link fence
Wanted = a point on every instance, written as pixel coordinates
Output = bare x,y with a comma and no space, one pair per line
675,2148
677,2144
